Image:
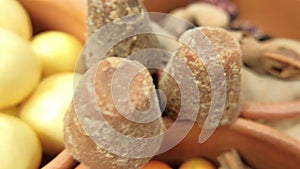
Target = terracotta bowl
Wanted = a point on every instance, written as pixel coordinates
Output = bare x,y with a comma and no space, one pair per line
260,146
271,111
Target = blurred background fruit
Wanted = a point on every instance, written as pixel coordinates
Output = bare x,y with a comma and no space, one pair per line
155,164
20,69
19,145
14,17
57,50
197,163
14,111
45,109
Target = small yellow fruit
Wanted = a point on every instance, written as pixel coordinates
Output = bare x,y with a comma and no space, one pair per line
14,111
45,109
154,164
15,18
20,69
197,163
20,147
58,51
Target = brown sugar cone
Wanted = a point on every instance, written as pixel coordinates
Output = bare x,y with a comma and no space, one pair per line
126,18
102,12
97,142
228,55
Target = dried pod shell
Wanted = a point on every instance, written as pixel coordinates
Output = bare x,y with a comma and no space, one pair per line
231,160
282,63
278,43
206,14
281,58
201,14
278,57
270,89
238,35
182,13
251,50
96,85
228,53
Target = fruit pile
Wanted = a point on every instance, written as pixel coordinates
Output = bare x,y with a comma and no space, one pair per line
37,80
195,163
36,87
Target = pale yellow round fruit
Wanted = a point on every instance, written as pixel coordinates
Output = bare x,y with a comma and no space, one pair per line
44,111
58,51
20,147
14,111
15,18
20,69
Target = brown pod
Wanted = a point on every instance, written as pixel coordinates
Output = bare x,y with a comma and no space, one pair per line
117,140
129,26
278,57
228,54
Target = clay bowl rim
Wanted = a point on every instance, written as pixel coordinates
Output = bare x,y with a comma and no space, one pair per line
243,128
270,111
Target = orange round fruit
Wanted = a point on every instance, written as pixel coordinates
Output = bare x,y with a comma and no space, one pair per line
197,163
154,164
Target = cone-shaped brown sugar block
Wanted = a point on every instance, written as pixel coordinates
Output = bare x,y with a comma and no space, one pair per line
120,26
102,12
114,121
212,58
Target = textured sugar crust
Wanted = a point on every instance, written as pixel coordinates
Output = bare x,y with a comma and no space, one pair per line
105,11
229,53
102,12
83,148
